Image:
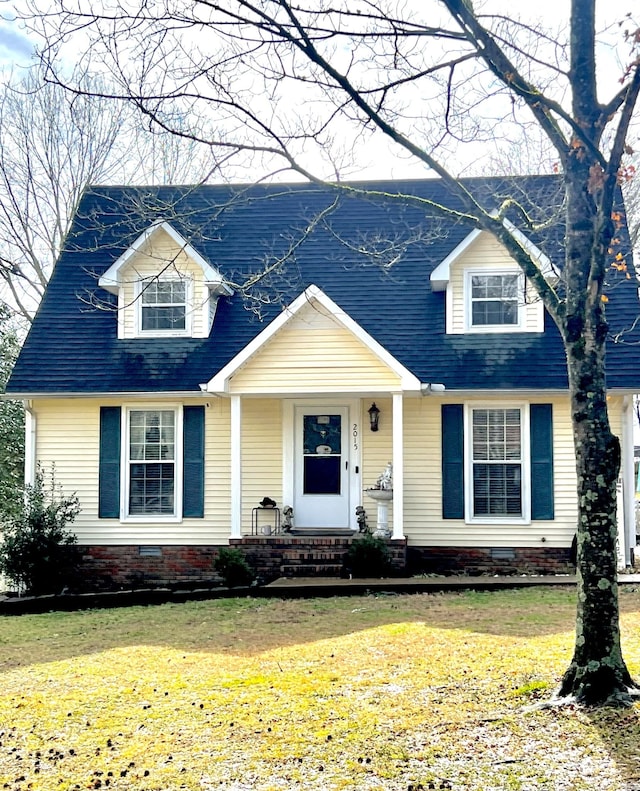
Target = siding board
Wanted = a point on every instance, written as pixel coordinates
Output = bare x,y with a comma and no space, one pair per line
68,435
77,465
314,357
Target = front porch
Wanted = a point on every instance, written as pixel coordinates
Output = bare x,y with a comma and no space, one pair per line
301,398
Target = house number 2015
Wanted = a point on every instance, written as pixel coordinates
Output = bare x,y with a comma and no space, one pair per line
354,433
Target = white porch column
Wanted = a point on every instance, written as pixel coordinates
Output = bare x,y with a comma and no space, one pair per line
627,530
236,467
398,466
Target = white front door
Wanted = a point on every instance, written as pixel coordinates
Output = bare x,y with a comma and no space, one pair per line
321,460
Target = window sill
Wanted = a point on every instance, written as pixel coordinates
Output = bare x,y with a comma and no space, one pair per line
164,334
498,520
149,519
503,328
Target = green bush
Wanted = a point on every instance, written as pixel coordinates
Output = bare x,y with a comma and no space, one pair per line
37,553
368,557
11,420
232,566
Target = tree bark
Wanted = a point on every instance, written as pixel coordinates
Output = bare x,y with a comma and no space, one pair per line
597,674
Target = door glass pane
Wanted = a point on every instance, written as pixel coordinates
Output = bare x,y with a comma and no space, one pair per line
322,474
323,434
322,454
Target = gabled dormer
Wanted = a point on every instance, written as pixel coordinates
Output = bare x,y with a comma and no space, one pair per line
486,291
165,288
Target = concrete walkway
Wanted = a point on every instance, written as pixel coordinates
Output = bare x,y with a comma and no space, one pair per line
329,586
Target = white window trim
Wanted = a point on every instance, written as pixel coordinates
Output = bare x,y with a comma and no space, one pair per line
124,464
525,518
520,324
139,286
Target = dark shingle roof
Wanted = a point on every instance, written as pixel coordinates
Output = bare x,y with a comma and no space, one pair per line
73,345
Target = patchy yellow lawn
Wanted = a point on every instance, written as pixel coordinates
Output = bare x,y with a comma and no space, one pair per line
370,693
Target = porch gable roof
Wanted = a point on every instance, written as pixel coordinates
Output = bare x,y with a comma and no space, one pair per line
219,383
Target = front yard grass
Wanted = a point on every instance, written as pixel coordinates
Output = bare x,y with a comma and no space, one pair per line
375,693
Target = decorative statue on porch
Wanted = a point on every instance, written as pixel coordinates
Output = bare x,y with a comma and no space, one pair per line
361,518
287,524
385,481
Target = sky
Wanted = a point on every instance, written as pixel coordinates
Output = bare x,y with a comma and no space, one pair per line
15,47
16,50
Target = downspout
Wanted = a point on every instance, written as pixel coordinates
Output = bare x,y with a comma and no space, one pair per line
30,436
628,533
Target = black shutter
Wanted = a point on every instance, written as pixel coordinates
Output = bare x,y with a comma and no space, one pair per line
541,425
109,464
452,462
193,457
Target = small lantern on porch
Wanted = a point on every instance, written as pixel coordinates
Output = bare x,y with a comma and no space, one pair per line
374,416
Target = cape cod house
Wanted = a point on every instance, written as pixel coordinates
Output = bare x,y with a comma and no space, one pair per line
201,349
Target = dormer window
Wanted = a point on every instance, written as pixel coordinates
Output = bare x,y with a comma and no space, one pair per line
494,301
165,288
485,289
163,306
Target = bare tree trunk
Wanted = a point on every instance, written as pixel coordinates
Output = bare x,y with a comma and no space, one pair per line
597,673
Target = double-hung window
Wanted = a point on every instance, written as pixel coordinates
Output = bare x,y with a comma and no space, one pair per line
163,306
494,300
151,459
497,461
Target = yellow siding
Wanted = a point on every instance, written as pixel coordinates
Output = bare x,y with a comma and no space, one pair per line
377,452
486,253
424,524
313,357
76,463
261,455
68,436
615,406
161,256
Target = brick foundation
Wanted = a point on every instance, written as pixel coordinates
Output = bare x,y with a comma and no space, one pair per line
118,567
520,560
108,567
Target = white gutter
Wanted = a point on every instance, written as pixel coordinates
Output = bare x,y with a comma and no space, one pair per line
129,395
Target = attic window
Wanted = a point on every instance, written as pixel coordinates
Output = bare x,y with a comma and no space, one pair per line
494,301
163,306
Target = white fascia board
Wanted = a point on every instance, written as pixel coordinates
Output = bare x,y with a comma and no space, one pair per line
220,382
440,275
110,280
542,260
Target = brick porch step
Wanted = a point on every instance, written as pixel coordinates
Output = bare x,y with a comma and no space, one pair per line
318,532
313,556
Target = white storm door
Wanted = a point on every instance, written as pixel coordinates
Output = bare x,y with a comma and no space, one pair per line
321,467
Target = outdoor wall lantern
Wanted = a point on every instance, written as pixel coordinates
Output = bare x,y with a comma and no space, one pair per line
374,416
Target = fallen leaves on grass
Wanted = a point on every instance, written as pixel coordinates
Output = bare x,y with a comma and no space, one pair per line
377,694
